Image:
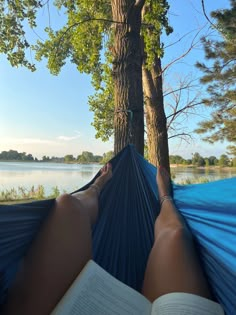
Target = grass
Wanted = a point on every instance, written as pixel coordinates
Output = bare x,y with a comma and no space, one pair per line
195,180
23,194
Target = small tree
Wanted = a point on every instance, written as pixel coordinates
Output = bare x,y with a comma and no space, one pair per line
198,160
69,158
213,160
107,157
45,158
224,160
220,77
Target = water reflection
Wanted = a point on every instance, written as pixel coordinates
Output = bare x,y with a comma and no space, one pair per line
181,174
69,177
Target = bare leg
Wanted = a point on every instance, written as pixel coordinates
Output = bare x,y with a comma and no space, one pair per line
173,264
59,252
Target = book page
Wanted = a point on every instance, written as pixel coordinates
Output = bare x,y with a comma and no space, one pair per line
97,292
185,304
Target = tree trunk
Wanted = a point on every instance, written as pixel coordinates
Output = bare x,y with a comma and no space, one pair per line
127,73
157,138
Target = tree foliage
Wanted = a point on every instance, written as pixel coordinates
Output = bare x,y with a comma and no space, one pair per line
198,160
107,157
224,160
13,155
14,17
109,40
219,75
232,150
69,158
88,157
86,40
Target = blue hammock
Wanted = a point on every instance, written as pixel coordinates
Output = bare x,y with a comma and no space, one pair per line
123,236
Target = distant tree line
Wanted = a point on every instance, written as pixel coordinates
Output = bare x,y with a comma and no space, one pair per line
85,157
13,155
88,157
198,160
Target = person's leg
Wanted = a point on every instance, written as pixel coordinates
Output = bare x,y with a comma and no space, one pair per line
59,252
173,264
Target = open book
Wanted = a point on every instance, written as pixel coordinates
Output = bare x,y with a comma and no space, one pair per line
95,291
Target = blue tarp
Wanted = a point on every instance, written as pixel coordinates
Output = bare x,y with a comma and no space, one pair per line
123,236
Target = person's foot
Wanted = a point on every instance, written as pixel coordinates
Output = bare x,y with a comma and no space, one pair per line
163,183
89,198
105,176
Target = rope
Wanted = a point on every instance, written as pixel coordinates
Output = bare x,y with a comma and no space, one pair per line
130,121
130,126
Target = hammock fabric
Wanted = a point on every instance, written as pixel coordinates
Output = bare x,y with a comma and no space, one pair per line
123,236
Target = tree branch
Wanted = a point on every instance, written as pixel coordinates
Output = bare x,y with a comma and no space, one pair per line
180,134
94,19
180,89
183,55
228,62
81,22
206,16
179,40
184,108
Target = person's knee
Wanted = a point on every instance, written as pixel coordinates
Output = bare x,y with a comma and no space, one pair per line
64,199
182,232
68,205
174,234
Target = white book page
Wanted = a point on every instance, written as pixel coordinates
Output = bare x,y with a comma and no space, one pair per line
185,304
97,292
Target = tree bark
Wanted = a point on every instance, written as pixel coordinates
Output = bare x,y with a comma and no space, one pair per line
157,137
127,74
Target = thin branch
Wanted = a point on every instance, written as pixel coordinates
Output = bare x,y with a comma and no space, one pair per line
40,4
177,102
49,16
43,4
180,134
226,64
179,40
180,89
206,16
184,54
184,108
37,35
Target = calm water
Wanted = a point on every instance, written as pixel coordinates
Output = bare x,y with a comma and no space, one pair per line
70,177
183,173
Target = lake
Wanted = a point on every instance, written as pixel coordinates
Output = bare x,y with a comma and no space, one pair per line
69,177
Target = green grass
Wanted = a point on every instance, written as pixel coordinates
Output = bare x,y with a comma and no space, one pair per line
195,180
23,194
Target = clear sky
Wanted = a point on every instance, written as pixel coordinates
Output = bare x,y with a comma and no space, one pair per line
44,114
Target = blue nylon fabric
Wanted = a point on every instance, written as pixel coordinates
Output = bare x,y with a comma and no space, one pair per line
123,236
210,210
18,225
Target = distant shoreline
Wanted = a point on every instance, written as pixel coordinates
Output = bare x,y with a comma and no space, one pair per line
202,167
97,163
42,162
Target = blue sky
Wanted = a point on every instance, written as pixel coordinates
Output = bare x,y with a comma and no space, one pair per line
44,114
